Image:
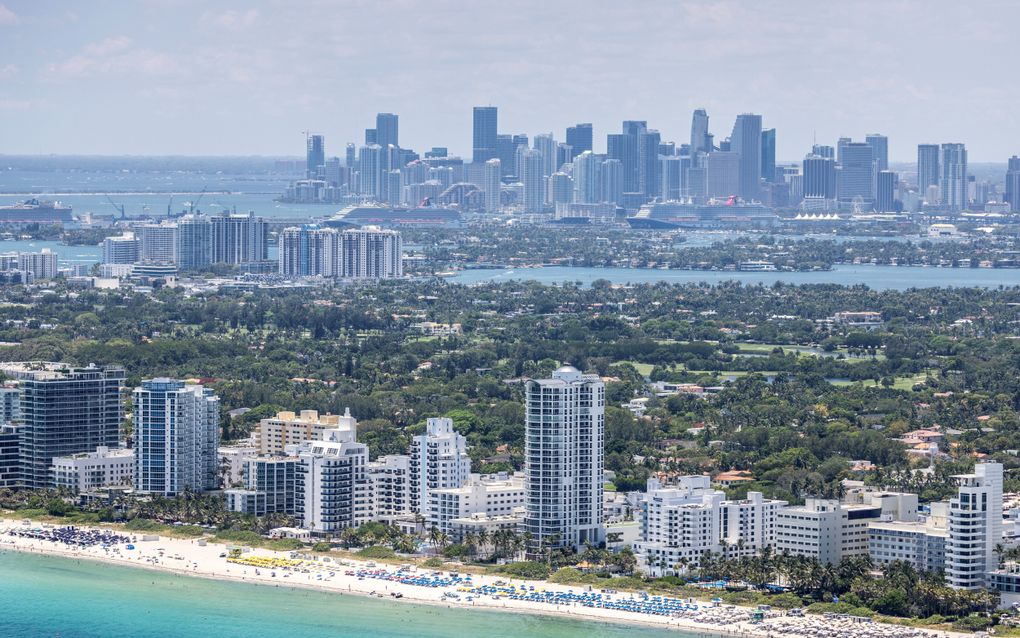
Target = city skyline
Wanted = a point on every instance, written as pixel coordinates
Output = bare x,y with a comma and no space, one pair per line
261,75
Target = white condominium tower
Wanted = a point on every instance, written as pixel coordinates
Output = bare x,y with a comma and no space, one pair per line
176,437
439,460
564,459
331,483
975,527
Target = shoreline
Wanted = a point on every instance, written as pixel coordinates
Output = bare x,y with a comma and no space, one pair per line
186,557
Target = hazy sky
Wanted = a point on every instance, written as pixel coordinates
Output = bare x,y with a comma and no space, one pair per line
236,78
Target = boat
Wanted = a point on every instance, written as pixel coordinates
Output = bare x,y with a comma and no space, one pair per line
33,211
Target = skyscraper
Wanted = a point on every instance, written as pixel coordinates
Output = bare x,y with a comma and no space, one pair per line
885,195
564,454
672,177
332,482
194,242
768,155
953,181
649,183
370,163
579,138
624,147
823,150
546,145
880,148
819,177
66,411
722,174
387,129
239,238
532,178
493,172
699,132
484,134
587,172
612,181
746,141
1012,190
855,180
927,167
176,437
315,155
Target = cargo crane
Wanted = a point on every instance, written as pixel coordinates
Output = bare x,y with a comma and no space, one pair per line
119,207
194,202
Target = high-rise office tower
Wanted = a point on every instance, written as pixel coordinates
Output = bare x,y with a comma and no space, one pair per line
371,136
315,154
564,459
722,174
532,178
65,411
885,195
561,189
484,134
880,148
649,183
855,182
351,156
746,142
672,177
506,151
953,179
927,167
579,138
624,147
239,238
975,527
699,132
819,177
823,150
546,145
768,155
439,460
493,173
387,129
1012,190
176,437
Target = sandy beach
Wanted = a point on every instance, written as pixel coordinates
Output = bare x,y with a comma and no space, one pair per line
345,576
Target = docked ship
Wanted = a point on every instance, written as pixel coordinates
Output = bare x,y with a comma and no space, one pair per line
395,217
714,213
36,211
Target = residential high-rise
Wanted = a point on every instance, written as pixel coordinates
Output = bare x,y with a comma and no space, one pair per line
672,170
531,177
332,483
239,238
975,527
370,171
287,428
484,134
157,242
370,253
880,149
699,132
579,139
389,481
855,181
270,486
768,155
1012,189
927,167
819,177
308,251
885,196
42,265
194,242
493,173
722,174
649,177
506,152
564,454
561,189
176,436
612,181
953,179
439,460
546,145
387,129
315,155
746,142
65,411
587,172
121,249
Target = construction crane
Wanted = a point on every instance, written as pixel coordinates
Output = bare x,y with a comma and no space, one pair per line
119,207
196,201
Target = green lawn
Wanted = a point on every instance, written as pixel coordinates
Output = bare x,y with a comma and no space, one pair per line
644,369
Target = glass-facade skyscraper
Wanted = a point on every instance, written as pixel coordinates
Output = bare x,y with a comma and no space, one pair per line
746,142
579,139
768,155
484,134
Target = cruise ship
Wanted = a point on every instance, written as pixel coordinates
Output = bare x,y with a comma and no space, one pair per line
395,217
36,211
673,215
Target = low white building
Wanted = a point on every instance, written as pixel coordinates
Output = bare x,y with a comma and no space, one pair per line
825,529
494,495
232,461
92,470
680,524
921,543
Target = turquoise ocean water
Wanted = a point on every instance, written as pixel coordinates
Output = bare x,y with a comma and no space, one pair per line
45,596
